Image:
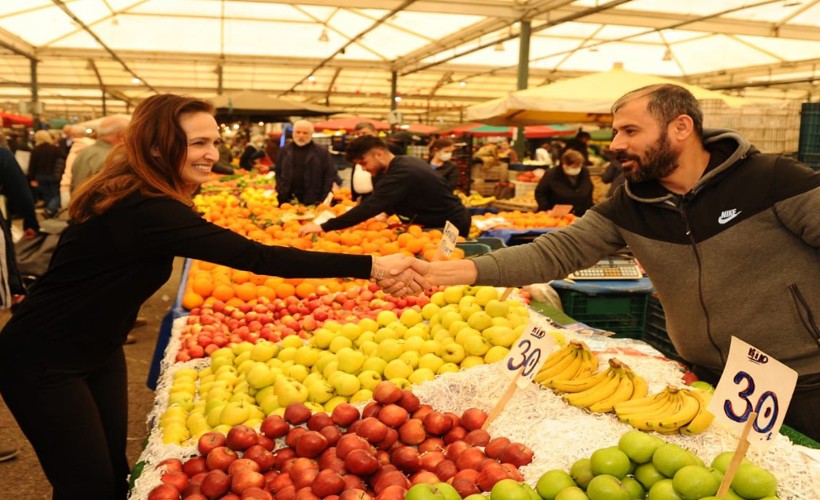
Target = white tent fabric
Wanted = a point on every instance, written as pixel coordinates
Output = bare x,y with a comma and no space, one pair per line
446,54
584,99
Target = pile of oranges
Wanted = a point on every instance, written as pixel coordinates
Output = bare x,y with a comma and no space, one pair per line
529,220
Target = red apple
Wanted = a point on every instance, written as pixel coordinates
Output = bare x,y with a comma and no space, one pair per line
372,429
412,432
332,434
478,437
355,494
344,414
215,484
220,458
371,410
455,434
517,454
393,492
178,480
164,492
353,482
281,456
393,478
409,401
311,444
255,494
490,475
304,478
293,436
393,415
453,450
361,462
431,444
445,470
328,482
241,464
209,441
318,421
286,493
496,447
406,458
241,437
470,458
431,459
172,464
465,487
266,442
261,456
297,413
424,476
280,482
513,472
473,419
387,392
194,466
437,423
422,412
350,442
327,457
306,493
274,426
389,440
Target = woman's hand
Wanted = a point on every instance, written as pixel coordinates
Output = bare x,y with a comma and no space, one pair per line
400,275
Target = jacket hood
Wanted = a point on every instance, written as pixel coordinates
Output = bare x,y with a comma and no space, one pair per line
726,147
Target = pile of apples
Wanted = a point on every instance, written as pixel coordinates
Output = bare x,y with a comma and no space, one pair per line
393,444
645,466
209,328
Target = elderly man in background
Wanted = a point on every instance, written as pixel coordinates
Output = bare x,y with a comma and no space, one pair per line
79,142
110,133
304,170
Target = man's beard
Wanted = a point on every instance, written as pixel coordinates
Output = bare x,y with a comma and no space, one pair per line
660,161
301,143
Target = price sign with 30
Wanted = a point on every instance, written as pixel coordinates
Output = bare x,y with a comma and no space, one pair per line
529,353
752,381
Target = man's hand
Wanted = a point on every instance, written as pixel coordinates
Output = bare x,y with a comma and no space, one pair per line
310,228
397,275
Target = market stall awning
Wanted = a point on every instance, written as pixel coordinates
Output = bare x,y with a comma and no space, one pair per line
530,132
256,106
348,123
9,119
586,99
420,128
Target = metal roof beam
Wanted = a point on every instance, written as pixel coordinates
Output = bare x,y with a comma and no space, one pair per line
481,8
17,45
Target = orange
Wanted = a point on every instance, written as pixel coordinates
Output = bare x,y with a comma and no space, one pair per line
203,287
285,290
245,291
304,289
223,292
240,277
414,246
235,302
191,300
204,266
389,248
265,291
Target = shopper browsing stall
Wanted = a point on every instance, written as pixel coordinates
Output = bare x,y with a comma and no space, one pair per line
569,184
402,185
62,367
441,154
729,236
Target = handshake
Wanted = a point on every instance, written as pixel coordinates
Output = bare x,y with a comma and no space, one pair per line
401,275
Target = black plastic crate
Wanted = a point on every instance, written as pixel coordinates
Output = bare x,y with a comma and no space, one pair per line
624,314
809,145
655,329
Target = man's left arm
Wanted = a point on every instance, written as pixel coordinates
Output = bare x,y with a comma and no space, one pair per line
796,191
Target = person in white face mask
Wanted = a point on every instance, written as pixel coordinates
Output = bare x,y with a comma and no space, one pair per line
568,184
361,182
441,154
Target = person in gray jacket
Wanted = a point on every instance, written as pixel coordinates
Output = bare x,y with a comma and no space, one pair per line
729,236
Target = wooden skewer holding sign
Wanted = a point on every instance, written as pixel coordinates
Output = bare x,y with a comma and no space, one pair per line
502,402
740,452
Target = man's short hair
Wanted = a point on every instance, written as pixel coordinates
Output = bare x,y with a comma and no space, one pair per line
362,145
666,102
365,126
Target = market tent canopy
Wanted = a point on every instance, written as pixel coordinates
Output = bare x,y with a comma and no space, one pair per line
257,106
530,132
9,119
586,99
420,128
349,123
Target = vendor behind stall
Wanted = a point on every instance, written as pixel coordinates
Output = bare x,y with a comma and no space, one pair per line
569,184
402,185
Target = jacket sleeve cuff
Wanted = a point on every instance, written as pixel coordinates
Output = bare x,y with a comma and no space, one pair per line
488,272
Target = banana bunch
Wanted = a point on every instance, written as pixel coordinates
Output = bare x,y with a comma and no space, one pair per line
601,392
475,199
572,361
671,410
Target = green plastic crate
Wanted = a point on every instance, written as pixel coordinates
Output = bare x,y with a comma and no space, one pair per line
471,249
624,314
493,243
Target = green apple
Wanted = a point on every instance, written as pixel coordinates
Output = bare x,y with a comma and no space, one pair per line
369,348
430,361
306,355
421,375
571,493
411,358
289,391
397,369
431,347
485,294
363,395
213,416
693,482
222,352
434,491
448,368
389,349
553,481
330,369
241,347
609,461
663,490
634,488
647,475
509,489
410,317
312,378
375,364
606,487
264,350
287,354
332,325
476,346
438,299
292,341
187,374
325,359
234,413
260,375
351,331
465,333
752,481
495,354
453,294
320,392
450,317
368,325
429,310
175,433
338,343
496,308
345,384
581,472
298,372
453,353
384,318
183,400
639,446
471,361
500,335
669,458
321,338
349,360
499,321
369,379
470,310
479,320
414,343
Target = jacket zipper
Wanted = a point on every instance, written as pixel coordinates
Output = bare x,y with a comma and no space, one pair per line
682,208
804,312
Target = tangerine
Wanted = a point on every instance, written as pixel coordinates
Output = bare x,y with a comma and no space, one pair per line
191,300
